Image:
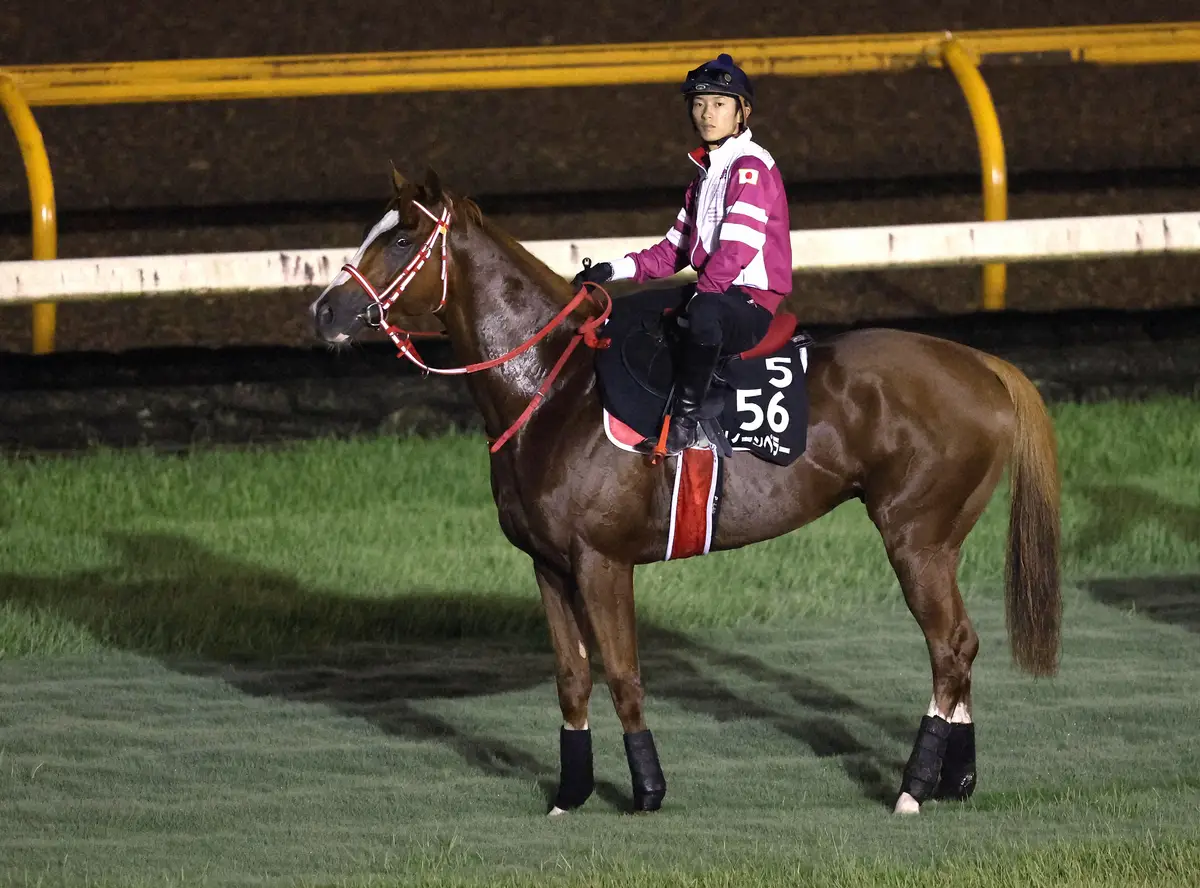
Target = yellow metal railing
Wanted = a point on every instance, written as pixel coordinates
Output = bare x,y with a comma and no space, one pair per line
991,155
598,65
41,196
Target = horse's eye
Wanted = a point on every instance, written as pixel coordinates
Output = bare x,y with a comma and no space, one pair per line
402,241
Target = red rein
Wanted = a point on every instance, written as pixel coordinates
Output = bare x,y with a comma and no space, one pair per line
403,338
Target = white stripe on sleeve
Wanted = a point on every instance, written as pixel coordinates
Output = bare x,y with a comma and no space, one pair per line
731,231
748,209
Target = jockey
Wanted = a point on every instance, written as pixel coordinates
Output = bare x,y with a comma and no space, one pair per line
733,230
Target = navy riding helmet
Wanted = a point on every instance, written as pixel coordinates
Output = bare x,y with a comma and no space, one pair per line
719,77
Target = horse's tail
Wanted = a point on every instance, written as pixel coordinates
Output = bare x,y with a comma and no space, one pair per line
1032,586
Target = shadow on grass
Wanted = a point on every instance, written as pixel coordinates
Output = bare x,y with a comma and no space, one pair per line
264,633
1118,507
1115,509
1174,600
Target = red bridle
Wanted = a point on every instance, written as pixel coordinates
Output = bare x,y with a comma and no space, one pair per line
386,299
402,339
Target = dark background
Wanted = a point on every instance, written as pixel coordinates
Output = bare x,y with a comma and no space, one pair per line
292,173
856,150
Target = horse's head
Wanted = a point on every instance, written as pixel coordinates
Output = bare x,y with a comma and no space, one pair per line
399,267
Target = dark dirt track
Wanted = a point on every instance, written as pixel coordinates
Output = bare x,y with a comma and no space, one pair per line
857,150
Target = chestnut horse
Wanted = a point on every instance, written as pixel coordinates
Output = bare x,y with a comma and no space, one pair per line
919,429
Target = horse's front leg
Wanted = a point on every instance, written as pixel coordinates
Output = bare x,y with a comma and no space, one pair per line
573,676
606,587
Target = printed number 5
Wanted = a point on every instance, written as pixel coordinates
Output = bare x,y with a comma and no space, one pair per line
780,366
776,416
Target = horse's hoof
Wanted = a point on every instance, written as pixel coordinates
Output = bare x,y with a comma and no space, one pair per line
570,798
646,802
957,788
906,804
556,812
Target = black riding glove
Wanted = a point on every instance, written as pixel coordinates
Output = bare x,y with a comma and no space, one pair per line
593,274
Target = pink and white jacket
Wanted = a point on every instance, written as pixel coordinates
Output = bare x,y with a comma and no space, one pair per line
733,228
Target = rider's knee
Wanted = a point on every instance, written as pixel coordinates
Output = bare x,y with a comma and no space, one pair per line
704,318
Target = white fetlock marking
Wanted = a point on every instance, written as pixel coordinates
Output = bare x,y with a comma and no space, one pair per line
960,716
556,812
573,728
906,804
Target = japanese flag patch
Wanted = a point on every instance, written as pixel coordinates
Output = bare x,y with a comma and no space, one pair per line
747,177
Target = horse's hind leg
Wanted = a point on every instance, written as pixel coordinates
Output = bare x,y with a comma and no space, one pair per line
574,679
923,534
606,587
943,755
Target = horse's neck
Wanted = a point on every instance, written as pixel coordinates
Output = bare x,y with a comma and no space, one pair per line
502,300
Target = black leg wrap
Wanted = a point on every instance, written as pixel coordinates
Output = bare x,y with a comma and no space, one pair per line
649,784
575,780
958,767
925,763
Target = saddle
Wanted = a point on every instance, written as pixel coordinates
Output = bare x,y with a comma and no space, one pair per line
757,401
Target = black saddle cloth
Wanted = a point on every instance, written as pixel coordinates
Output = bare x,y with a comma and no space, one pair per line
759,403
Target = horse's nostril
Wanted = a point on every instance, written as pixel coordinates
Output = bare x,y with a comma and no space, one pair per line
325,314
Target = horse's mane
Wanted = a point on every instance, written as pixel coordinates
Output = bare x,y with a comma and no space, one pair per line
470,210
539,271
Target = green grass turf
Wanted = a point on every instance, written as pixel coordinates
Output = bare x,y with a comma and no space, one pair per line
385,539
324,664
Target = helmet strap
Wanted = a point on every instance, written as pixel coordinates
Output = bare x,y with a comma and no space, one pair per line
744,107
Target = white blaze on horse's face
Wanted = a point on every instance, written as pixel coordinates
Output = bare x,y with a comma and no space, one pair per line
390,220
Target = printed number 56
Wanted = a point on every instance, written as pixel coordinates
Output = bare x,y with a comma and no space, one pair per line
776,416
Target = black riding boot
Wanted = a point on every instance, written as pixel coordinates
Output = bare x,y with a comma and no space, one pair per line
692,379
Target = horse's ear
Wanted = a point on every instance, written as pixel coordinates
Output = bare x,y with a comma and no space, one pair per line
433,186
398,181
406,194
